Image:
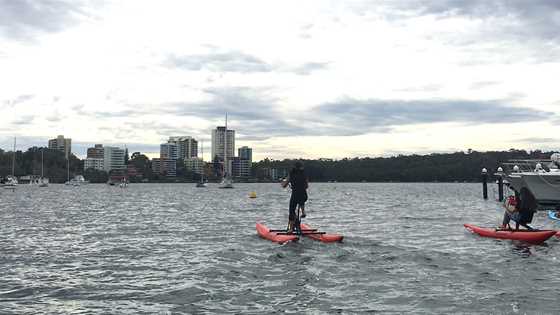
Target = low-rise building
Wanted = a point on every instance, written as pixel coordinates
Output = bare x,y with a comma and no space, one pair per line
167,167
94,163
241,167
195,165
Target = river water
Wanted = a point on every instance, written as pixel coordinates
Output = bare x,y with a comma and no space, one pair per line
177,249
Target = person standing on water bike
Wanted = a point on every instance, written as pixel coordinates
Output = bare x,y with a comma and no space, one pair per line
299,184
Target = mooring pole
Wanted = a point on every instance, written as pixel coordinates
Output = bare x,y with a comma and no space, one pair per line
500,184
484,183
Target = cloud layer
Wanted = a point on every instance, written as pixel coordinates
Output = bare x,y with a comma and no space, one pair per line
319,78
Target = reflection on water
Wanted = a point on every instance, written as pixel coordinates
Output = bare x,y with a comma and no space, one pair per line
175,248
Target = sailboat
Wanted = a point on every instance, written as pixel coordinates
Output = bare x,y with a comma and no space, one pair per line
12,182
227,182
43,182
201,183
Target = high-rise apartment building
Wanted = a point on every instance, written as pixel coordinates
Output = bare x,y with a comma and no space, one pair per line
95,158
96,152
61,144
241,165
187,147
218,141
168,151
113,158
245,153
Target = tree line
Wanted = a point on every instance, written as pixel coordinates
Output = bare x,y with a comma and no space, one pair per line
435,167
441,167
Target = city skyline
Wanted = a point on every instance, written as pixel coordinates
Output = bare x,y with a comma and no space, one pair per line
320,79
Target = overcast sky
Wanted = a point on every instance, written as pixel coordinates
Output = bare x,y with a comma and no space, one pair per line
297,78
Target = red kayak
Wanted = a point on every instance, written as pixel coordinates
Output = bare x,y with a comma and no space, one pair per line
280,236
535,236
265,232
326,238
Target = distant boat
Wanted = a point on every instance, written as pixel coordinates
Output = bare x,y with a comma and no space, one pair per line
43,182
11,181
78,180
123,183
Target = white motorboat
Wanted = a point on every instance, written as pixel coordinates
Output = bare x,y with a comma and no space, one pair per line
542,181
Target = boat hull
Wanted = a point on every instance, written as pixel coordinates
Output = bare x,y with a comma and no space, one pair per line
535,237
265,233
325,238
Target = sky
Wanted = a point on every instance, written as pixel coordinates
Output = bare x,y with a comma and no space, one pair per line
298,79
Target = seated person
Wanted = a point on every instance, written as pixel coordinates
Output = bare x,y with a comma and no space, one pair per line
520,208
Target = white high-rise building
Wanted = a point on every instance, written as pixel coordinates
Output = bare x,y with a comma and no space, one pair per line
187,147
218,143
113,158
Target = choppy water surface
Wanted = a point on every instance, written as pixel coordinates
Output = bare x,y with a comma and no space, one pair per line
180,249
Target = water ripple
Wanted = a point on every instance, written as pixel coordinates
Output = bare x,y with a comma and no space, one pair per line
177,249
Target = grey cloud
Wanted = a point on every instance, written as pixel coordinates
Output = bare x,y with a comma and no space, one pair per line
79,110
236,61
501,24
423,88
252,111
483,84
23,19
308,68
539,140
23,120
255,115
233,61
54,118
536,18
18,100
351,116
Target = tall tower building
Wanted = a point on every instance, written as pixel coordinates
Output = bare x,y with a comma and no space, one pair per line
61,144
187,147
218,141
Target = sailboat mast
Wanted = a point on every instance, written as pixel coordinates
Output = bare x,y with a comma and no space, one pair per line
42,163
14,159
202,155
